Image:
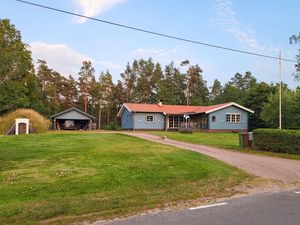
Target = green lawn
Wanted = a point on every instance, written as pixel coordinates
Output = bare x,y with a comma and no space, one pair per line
219,140
62,178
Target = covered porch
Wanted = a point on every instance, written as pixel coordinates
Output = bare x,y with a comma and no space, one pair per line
192,121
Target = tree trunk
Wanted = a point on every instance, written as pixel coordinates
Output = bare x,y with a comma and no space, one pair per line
99,120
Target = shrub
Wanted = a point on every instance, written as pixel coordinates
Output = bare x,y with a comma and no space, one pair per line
36,120
185,130
275,140
112,126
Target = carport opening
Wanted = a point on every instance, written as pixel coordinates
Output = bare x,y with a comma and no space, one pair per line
72,124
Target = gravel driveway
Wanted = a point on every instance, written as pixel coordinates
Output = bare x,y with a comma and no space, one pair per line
284,170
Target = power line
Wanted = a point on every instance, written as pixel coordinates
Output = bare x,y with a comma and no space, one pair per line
155,33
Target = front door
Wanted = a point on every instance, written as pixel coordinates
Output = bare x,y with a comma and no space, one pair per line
22,128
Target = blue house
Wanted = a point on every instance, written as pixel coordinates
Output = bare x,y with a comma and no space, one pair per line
222,117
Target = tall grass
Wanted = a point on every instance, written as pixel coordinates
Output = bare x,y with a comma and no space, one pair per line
36,120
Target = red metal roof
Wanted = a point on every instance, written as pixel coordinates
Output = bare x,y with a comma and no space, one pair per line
171,109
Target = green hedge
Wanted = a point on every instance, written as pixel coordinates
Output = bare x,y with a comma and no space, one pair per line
275,140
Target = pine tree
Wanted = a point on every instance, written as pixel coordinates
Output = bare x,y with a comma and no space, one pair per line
197,91
70,92
172,85
129,83
107,95
216,91
86,79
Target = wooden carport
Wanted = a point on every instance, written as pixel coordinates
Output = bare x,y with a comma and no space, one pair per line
72,119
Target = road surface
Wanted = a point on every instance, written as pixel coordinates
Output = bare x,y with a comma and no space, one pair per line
260,209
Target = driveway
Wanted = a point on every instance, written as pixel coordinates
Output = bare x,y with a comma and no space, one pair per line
284,170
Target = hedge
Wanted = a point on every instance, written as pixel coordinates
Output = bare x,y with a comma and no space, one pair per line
275,140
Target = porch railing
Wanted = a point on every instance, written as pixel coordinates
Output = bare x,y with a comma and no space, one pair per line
188,125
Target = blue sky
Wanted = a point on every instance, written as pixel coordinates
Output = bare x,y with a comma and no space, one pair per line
65,41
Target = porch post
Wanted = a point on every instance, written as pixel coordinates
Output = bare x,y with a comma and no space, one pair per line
167,122
133,121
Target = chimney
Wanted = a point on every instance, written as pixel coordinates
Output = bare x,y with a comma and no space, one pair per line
160,103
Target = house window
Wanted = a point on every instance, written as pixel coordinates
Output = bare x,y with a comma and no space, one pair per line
228,118
149,118
213,119
238,118
175,121
233,118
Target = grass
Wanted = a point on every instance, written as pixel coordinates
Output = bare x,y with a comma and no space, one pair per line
220,140
63,178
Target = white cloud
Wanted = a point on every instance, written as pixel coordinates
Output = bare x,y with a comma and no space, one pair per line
64,59
265,70
226,19
92,8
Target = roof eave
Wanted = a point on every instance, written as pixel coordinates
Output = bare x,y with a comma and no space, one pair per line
122,109
230,104
70,109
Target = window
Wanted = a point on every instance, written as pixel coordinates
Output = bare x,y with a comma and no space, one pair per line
233,118
149,118
213,119
238,118
175,121
228,118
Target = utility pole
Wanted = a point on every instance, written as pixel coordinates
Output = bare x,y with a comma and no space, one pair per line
280,89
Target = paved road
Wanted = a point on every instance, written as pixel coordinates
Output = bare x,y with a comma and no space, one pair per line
260,209
285,170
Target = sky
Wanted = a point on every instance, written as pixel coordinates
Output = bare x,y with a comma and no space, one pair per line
64,41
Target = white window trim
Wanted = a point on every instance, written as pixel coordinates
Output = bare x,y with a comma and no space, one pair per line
235,121
153,116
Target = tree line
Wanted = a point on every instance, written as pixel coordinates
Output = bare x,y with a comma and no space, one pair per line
142,81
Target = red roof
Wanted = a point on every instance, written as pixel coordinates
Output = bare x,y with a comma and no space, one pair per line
171,109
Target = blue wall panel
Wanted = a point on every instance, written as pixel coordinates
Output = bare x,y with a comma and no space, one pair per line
221,124
126,119
140,121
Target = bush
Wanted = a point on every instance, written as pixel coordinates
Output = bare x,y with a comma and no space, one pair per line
36,120
186,130
112,126
275,140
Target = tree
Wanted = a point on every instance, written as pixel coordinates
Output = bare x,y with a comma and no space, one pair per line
216,91
257,97
171,86
119,95
296,39
243,82
17,79
129,83
52,87
70,92
290,115
86,79
107,87
197,91
147,76
236,90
